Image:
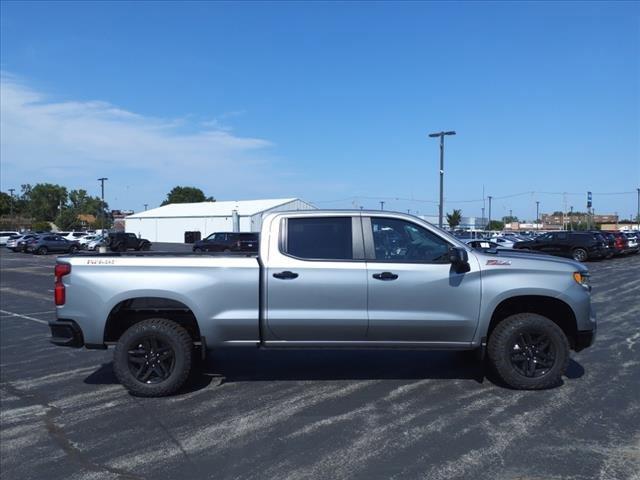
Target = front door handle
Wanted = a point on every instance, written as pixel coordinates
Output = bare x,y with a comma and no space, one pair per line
385,276
286,275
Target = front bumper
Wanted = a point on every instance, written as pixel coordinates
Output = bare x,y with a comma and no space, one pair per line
585,339
66,333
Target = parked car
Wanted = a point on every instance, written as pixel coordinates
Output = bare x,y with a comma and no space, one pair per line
75,235
323,279
44,244
122,241
505,242
84,240
581,246
621,243
634,242
98,241
5,235
228,242
17,243
483,244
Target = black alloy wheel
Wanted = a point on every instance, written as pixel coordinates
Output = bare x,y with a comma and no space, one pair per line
151,360
42,251
580,255
532,354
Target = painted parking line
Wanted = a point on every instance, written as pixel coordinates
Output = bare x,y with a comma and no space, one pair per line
48,312
26,317
26,293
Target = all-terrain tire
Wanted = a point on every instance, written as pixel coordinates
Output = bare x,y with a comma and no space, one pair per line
165,332
504,344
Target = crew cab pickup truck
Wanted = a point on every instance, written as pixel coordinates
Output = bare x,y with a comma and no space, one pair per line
327,279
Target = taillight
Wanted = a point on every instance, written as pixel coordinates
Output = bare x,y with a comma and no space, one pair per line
60,271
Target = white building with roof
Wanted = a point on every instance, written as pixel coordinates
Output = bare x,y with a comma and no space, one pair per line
170,223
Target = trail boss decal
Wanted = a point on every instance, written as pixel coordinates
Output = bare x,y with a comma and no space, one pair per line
101,261
498,262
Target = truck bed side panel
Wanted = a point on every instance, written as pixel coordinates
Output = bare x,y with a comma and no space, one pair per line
222,292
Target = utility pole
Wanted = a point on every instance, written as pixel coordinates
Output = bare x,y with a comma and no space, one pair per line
441,206
145,206
537,215
381,204
11,190
102,180
571,219
638,212
489,223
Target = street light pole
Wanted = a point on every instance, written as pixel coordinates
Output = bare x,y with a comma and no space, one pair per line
638,212
145,206
102,180
537,215
489,197
381,204
571,219
441,206
11,190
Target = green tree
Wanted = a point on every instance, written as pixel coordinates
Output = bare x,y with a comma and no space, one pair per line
187,195
454,218
67,219
5,203
495,225
80,202
510,219
44,200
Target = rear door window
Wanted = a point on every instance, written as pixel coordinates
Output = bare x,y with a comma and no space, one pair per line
319,238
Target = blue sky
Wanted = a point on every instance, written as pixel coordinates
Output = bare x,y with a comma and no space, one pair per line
331,102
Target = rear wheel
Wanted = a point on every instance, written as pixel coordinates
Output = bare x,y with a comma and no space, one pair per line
73,249
197,250
580,255
153,358
42,251
529,351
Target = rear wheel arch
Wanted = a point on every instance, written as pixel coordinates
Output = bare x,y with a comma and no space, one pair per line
134,310
552,308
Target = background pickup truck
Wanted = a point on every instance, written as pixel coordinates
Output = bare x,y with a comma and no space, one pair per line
327,279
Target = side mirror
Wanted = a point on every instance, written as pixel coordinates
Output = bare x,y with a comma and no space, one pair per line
459,259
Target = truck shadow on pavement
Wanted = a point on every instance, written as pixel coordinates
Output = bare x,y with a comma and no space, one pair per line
246,365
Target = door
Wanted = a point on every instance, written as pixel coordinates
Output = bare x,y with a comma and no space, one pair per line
316,281
414,294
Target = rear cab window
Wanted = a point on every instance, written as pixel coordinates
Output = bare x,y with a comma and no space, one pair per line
319,238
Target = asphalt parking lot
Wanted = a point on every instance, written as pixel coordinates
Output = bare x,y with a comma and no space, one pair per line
318,414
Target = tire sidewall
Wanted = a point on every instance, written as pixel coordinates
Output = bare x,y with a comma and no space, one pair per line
167,334
584,255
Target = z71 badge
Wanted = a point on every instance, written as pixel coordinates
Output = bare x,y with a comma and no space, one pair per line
498,262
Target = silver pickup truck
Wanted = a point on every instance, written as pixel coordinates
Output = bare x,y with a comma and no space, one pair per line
329,279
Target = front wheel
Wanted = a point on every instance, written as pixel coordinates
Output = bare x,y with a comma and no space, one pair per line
42,251
580,255
529,351
73,249
153,358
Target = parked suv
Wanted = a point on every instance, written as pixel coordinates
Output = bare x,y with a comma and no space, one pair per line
52,243
18,243
581,246
228,242
122,241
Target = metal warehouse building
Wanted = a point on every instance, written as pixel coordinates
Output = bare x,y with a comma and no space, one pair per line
172,222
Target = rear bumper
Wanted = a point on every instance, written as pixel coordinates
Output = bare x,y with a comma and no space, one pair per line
66,333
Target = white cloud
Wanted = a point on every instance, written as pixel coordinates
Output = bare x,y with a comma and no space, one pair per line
46,140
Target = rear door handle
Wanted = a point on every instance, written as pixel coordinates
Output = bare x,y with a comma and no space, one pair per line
286,275
385,276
